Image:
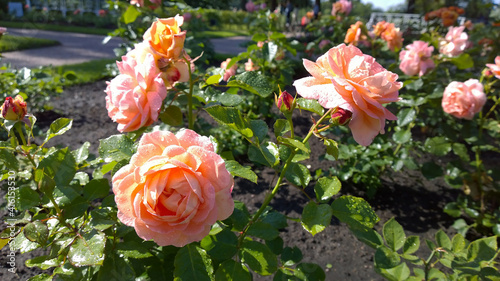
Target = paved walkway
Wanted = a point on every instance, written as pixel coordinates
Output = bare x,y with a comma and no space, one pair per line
78,48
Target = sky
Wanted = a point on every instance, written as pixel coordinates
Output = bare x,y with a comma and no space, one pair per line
384,4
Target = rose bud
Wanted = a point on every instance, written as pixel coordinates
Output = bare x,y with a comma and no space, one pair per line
14,109
285,102
341,116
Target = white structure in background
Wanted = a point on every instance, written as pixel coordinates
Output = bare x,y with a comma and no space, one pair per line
64,6
403,21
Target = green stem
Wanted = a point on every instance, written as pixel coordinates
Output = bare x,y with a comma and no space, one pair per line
20,132
270,196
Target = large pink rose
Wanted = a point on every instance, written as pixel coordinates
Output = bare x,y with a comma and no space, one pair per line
345,77
174,189
416,58
135,96
464,100
455,42
495,68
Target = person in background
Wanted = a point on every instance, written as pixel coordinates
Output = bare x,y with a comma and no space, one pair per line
317,9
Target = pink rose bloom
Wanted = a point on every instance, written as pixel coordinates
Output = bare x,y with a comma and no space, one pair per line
187,16
251,7
250,66
344,77
228,72
495,68
174,188
260,44
416,58
135,96
455,42
463,100
342,6
324,43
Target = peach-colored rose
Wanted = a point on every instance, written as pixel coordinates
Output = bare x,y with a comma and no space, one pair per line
416,58
135,96
174,188
380,27
345,77
393,36
14,108
495,68
455,42
463,100
250,66
166,38
228,72
353,34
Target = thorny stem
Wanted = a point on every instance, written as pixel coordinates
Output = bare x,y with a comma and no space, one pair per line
270,196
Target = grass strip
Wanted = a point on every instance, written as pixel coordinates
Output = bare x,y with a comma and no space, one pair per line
55,27
86,72
10,43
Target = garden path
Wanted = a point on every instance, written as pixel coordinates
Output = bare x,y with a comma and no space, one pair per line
78,48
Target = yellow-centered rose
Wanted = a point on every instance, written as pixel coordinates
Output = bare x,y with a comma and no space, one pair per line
166,38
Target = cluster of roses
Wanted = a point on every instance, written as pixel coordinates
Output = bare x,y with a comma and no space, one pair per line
448,15
134,98
358,34
341,8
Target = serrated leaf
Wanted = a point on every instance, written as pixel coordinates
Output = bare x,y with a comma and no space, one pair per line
42,262
231,117
58,127
214,79
263,230
315,218
411,245
259,129
399,272
133,249
231,270
386,258
298,174
394,234
325,188
406,116
60,166
368,236
7,157
28,198
483,249
253,82
281,126
116,148
332,148
438,146
88,249
240,216
294,144
37,232
354,211
443,240
309,271
171,115
192,263
402,136
237,170
310,105
457,243
259,257
266,155
115,267
95,189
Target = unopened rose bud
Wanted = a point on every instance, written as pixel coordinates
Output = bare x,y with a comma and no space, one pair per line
285,102
14,109
341,116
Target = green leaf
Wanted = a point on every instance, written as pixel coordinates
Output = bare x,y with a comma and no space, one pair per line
231,270
298,174
133,249
22,244
276,219
95,189
463,61
131,14
115,267
406,116
294,144
172,115
237,170
41,277
368,236
258,257
439,146
266,155
253,82
452,209
385,258
309,272
103,218
483,249
263,230
59,165
431,170
310,105
222,246
315,218
281,126
8,158
192,263
37,232
82,153
332,148
399,272
116,148
240,216
411,245
354,211
402,136
259,129
259,37
88,249
58,127
214,79
326,187
461,151
458,243
275,245
443,240
231,117
291,256
394,234
43,262
28,198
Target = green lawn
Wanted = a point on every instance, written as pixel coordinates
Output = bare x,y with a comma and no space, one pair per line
55,27
9,43
86,72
